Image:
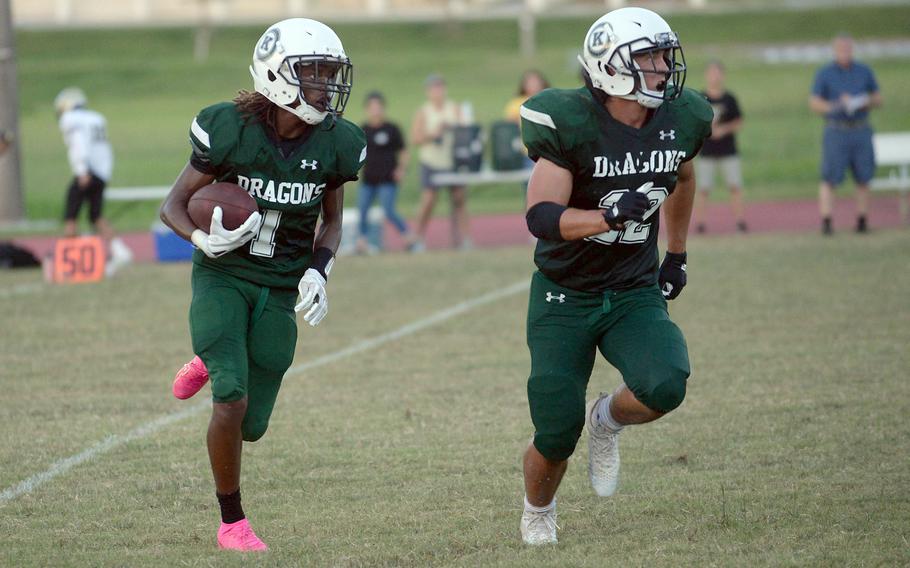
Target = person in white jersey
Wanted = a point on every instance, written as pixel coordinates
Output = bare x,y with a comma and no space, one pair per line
92,162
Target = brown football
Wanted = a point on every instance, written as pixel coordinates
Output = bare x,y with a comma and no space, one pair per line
236,205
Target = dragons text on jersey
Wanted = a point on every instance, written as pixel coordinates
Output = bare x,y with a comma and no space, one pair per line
606,159
289,189
657,162
269,190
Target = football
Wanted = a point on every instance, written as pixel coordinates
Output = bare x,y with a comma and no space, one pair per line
236,205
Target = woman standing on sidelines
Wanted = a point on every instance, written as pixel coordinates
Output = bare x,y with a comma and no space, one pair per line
432,131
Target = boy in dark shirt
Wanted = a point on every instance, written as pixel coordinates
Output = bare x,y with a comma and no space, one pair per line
386,163
719,151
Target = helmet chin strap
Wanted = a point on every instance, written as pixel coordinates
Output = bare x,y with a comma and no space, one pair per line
305,112
646,97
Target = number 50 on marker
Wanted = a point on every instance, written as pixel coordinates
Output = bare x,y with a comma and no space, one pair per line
79,259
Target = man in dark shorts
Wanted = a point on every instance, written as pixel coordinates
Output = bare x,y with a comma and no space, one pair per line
92,162
843,92
719,151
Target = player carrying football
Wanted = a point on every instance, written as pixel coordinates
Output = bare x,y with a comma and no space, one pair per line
608,155
288,146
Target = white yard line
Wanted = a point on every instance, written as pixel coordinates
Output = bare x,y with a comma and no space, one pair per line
22,289
114,441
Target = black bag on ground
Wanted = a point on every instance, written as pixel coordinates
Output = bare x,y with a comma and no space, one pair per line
14,256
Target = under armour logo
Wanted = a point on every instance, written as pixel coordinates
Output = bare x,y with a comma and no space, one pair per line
305,164
668,135
560,298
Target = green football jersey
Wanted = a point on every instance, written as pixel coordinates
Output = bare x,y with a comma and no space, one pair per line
607,158
289,190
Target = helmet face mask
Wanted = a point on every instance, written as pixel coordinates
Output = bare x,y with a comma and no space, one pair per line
324,82
300,65
621,51
674,77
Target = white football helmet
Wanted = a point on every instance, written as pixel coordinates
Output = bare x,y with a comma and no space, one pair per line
612,41
68,99
300,54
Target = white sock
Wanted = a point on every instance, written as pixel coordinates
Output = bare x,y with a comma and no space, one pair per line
605,418
534,509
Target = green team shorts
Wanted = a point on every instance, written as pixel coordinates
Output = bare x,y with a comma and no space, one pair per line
245,334
633,332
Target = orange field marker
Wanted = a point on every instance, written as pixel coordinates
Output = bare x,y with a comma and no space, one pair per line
79,259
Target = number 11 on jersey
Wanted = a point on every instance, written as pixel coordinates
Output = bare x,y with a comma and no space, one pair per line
264,242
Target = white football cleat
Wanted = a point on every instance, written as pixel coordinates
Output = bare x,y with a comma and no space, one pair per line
539,528
603,453
120,256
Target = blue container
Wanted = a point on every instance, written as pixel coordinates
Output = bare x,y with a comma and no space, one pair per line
169,247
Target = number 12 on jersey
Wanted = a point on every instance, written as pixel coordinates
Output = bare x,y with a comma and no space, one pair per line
264,242
634,233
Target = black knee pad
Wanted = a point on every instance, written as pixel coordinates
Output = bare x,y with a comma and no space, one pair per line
253,430
560,445
558,414
669,393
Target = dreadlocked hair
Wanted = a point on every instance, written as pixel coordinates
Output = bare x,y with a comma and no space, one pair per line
254,106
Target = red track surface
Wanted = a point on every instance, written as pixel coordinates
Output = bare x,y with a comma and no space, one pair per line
510,229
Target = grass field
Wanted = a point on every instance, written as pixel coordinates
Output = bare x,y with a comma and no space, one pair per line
147,84
791,448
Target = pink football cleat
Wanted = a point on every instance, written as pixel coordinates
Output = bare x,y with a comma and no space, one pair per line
190,378
239,536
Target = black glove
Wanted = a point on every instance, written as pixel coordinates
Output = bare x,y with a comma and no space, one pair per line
672,275
630,207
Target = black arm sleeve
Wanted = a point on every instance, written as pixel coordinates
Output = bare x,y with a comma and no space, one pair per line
543,220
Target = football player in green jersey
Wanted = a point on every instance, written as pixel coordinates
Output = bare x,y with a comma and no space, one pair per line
608,156
287,145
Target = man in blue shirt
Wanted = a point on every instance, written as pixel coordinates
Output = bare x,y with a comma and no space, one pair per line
843,92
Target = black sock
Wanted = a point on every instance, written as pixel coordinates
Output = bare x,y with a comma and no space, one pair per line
826,225
231,511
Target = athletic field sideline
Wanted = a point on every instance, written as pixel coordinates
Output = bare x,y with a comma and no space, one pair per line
152,89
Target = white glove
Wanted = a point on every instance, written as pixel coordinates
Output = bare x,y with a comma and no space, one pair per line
219,240
312,296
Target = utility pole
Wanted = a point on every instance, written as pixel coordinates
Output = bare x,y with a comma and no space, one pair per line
527,27
10,181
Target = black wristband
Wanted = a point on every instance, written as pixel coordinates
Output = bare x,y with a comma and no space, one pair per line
323,259
543,220
678,258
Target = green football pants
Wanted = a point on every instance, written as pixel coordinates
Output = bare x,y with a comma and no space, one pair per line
565,328
245,334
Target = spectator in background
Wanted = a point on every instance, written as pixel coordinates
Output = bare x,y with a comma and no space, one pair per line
843,92
532,82
431,131
386,163
719,151
92,162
